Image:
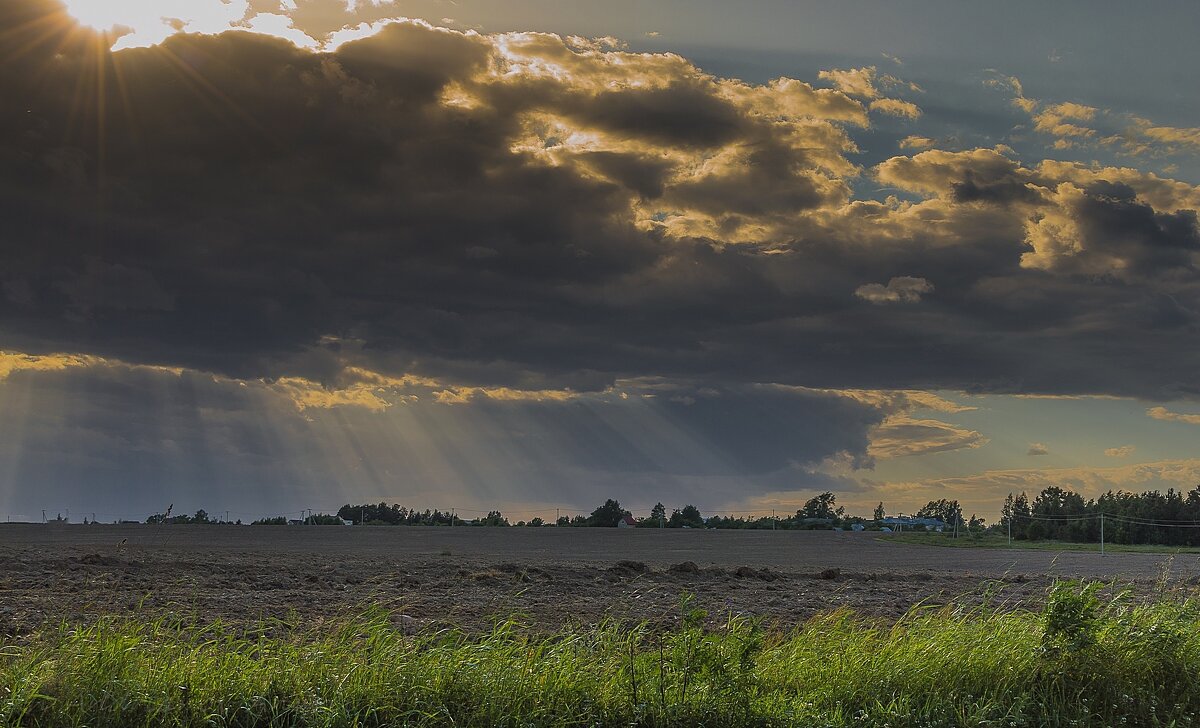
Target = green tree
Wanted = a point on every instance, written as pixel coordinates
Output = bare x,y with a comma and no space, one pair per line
494,518
1056,507
880,514
688,516
607,515
658,514
821,506
277,521
946,511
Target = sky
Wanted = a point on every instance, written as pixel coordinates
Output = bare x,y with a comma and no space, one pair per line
263,256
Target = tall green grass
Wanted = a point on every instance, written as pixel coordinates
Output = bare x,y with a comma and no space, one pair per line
1080,662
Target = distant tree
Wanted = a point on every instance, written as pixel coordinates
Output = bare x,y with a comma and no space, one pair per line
536,522
1055,507
822,506
563,521
323,519
277,521
658,514
201,517
607,515
688,516
880,514
1015,515
494,518
946,511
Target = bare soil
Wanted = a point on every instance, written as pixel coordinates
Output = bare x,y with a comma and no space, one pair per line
548,577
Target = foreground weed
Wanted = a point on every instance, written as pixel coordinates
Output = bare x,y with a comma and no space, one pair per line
1082,661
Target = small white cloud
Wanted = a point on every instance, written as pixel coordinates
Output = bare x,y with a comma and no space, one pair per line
902,289
1120,452
1037,448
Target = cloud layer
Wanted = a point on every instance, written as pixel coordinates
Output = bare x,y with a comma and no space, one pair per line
527,223
526,210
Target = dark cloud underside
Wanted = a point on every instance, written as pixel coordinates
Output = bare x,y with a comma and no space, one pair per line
526,211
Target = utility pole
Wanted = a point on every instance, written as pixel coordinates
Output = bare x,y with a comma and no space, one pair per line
1010,530
1101,533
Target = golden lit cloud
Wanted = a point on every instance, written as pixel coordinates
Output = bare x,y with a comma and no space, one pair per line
861,82
306,394
1013,84
852,81
1057,119
14,362
1162,413
896,107
903,436
902,289
1145,135
916,142
463,395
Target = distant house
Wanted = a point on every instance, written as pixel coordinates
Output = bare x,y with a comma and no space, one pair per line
295,522
347,523
858,527
627,521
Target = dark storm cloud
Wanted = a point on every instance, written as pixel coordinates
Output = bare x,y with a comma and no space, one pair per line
524,211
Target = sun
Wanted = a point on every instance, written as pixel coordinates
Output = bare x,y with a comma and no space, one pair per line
147,22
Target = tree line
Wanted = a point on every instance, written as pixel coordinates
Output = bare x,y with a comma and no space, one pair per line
1150,517
820,511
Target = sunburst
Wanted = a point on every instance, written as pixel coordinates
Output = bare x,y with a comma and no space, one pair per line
134,23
